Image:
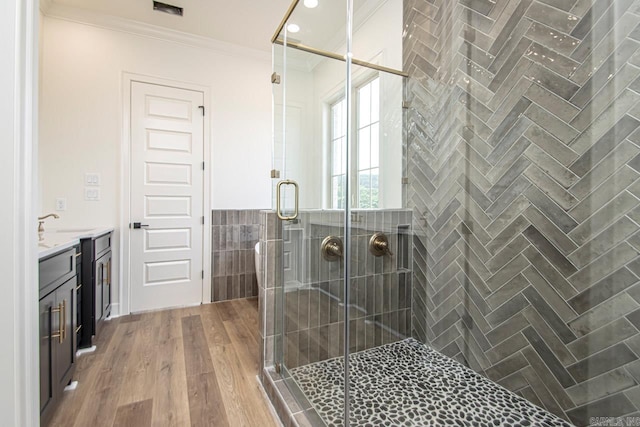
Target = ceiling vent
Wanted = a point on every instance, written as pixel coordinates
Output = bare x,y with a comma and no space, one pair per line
167,8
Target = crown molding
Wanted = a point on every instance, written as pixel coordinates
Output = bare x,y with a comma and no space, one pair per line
44,6
51,9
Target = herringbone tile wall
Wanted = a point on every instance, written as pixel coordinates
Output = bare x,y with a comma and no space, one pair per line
524,158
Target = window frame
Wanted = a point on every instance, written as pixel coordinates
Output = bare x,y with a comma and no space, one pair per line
357,85
343,137
358,128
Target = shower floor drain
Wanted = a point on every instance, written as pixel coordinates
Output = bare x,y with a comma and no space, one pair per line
408,384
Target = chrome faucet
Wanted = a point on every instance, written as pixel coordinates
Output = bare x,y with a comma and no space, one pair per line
41,222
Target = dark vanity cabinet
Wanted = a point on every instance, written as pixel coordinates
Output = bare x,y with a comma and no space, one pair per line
96,286
58,317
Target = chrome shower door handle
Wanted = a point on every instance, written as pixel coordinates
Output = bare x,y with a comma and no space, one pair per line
279,201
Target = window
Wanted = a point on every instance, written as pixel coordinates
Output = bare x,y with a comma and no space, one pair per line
338,165
368,112
367,146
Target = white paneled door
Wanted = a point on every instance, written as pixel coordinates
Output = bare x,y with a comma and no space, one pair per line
167,183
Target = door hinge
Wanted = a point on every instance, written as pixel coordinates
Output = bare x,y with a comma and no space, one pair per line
202,165
203,274
275,78
405,180
201,107
275,173
203,220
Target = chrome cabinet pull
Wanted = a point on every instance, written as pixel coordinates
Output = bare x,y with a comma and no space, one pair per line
279,201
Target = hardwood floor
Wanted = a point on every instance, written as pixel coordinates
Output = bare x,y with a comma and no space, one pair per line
195,366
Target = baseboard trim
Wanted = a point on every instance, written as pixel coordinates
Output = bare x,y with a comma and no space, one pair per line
115,311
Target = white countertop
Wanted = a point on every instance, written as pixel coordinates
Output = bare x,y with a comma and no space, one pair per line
55,241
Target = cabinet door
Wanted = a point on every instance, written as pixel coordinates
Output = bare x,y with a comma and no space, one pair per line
99,275
64,347
103,286
106,286
48,326
77,314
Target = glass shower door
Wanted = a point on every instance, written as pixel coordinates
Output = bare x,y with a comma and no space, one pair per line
310,116
338,148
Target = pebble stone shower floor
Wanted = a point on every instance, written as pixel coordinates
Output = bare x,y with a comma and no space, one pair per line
408,384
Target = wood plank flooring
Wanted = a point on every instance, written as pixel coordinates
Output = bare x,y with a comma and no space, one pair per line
194,366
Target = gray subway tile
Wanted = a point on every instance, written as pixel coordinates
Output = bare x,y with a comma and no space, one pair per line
606,360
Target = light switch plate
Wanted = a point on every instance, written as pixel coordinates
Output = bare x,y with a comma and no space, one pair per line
91,194
61,204
92,178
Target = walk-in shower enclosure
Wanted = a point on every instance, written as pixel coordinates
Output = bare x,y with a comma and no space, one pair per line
455,212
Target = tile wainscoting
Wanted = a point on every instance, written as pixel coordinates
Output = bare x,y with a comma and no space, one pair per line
311,290
234,234
380,288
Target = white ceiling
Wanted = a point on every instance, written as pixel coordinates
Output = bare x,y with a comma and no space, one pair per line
249,23
324,27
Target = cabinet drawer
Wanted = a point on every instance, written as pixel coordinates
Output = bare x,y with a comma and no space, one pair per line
102,244
58,268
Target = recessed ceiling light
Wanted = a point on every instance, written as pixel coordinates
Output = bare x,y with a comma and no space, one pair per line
293,28
311,3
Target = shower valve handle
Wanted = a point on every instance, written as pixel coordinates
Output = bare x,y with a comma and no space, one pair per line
332,248
379,245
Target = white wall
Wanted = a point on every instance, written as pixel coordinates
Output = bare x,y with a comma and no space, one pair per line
81,116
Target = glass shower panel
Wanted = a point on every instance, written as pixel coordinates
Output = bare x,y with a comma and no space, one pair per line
278,114
339,137
311,292
377,32
273,231
380,276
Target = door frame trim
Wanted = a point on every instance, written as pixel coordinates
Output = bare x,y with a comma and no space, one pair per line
20,394
124,278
